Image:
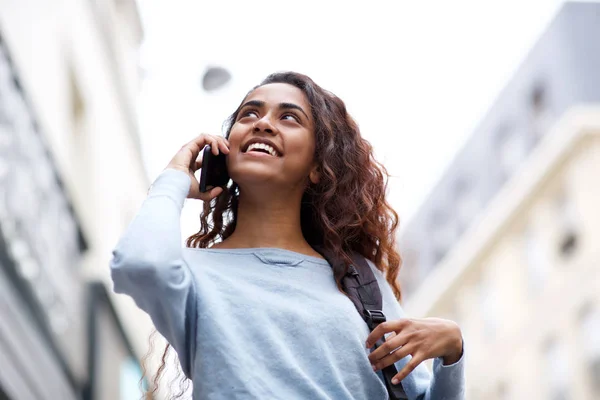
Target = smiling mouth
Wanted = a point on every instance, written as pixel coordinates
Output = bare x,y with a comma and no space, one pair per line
262,148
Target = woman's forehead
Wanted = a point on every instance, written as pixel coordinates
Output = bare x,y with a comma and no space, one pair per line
276,93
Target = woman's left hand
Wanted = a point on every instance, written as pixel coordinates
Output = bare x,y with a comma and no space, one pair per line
422,338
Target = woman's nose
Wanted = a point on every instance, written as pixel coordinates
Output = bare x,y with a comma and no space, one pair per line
264,125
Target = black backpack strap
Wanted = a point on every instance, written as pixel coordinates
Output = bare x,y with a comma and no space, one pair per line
361,286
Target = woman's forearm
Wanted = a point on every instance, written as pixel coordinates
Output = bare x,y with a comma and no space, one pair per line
153,238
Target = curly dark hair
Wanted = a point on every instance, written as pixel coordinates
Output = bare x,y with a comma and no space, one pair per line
345,212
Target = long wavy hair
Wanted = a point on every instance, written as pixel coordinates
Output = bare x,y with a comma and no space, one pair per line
345,212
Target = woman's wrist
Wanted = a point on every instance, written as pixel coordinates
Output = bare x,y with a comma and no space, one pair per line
456,350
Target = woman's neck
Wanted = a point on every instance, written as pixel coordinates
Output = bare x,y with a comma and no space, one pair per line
268,220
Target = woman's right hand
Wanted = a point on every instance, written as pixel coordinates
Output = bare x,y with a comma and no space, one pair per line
186,160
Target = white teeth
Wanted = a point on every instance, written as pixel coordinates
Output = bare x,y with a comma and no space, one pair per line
262,146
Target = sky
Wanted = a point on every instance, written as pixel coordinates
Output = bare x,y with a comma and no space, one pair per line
417,76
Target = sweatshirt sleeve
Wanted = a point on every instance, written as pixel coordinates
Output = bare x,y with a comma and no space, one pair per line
447,381
148,265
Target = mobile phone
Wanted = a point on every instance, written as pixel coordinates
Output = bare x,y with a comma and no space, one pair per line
214,170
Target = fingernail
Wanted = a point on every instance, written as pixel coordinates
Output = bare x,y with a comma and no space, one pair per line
374,368
395,381
368,345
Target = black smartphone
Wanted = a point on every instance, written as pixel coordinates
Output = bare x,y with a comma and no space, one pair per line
214,170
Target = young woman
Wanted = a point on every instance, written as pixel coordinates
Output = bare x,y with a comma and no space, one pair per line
251,308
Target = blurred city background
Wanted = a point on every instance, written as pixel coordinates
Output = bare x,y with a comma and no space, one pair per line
486,114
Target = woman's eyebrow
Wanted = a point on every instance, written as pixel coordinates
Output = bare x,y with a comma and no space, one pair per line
287,106
282,106
253,103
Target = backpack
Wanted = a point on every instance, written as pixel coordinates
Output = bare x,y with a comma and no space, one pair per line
362,288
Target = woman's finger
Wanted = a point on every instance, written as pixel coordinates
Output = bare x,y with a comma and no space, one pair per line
197,144
385,327
211,194
200,141
224,145
214,145
198,161
388,346
395,356
408,368
185,157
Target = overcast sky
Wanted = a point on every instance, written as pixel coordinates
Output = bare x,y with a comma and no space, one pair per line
416,75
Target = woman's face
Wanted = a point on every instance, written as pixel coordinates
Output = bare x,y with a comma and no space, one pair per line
272,140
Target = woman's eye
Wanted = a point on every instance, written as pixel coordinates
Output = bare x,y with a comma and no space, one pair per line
290,117
250,114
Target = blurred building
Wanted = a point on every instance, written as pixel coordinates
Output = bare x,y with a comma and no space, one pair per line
506,243
71,178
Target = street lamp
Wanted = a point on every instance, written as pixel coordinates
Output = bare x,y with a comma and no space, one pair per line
214,78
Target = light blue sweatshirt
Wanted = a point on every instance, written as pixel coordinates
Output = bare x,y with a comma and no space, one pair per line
259,323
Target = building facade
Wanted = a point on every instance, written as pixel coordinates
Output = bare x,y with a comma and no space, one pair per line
71,179
506,242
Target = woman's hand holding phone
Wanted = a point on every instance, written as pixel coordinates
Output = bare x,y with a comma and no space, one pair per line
186,160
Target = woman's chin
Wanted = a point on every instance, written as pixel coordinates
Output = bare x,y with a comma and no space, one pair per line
254,175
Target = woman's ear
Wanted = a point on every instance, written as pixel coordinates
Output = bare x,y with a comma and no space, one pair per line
315,175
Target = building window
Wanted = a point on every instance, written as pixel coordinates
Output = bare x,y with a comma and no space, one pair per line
466,203
557,370
568,225
512,148
541,116
442,234
410,274
537,259
590,340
